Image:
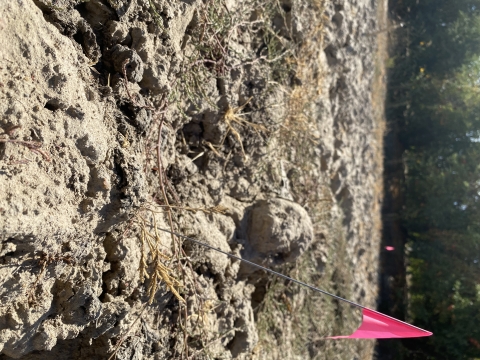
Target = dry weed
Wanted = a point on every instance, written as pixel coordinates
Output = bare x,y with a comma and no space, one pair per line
234,116
159,271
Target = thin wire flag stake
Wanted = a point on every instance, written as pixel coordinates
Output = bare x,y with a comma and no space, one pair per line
375,325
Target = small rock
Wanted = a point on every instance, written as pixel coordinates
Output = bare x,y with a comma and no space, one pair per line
134,67
278,232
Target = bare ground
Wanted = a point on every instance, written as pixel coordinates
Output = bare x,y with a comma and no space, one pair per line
254,126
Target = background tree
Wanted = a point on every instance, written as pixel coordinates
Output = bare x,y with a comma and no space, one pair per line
434,104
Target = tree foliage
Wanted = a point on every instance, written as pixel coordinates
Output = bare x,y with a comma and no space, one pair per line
434,102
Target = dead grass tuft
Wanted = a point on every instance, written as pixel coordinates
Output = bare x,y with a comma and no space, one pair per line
234,116
159,271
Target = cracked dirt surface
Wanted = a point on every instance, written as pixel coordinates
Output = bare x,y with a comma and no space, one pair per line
247,125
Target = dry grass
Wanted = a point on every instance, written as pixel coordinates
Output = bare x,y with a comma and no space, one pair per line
159,269
233,116
161,263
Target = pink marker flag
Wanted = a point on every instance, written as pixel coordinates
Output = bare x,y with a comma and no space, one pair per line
389,248
376,325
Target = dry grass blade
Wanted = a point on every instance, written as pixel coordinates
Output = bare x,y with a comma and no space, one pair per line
211,147
218,209
163,273
233,115
160,271
33,146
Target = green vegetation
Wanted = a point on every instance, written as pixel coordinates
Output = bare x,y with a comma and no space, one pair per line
434,103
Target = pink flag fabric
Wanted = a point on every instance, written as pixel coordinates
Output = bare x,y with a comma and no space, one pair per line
376,325
389,248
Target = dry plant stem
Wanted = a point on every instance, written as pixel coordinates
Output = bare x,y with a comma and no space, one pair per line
210,146
146,235
169,214
134,102
261,58
185,332
158,112
160,271
162,182
31,145
159,142
219,209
